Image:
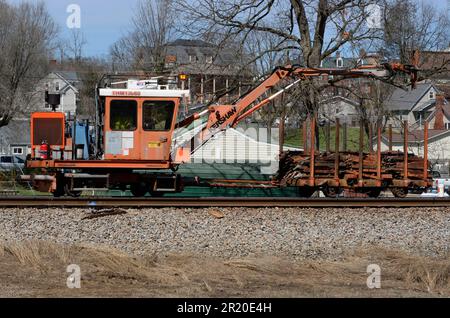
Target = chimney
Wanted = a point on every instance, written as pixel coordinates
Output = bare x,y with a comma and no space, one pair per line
439,113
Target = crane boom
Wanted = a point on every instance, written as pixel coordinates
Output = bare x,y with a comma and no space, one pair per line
221,117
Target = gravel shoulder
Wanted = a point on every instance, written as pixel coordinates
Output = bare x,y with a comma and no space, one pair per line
290,233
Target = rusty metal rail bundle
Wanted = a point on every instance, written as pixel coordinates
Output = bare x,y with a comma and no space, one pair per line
195,202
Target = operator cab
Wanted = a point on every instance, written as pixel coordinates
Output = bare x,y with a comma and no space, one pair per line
140,119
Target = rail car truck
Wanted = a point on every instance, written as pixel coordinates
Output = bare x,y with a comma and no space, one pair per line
133,132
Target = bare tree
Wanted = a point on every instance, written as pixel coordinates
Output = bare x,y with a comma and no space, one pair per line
302,23
26,35
410,25
91,71
315,29
143,47
76,44
370,97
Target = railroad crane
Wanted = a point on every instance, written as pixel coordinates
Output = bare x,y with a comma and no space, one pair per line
134,128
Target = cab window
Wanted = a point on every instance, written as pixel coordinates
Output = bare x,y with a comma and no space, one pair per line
157,115
123,115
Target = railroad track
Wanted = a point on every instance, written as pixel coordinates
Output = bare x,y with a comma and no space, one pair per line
195,202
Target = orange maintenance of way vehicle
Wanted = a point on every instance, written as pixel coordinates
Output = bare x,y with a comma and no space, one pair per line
131,145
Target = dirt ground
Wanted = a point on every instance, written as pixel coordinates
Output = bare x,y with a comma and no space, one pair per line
39,269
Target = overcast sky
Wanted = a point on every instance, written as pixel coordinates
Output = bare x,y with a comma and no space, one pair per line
105,21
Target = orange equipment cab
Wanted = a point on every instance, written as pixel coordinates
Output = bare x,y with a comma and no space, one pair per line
139,123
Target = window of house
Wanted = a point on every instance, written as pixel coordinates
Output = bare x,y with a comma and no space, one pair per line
17,151
157,115
123,115
431,94
340,62
447,126
57,87
6,159
192,58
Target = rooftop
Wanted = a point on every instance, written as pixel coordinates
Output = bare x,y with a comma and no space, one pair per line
406,99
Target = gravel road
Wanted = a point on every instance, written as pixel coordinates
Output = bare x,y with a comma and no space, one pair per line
286,232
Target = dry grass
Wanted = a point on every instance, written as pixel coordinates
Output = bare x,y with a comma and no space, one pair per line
433,275
109,272
417,272
36,254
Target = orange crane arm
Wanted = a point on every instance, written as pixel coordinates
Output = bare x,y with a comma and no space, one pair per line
223,116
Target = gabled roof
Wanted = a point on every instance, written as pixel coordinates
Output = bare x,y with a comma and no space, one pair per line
408,99
68,75
70,78
446,110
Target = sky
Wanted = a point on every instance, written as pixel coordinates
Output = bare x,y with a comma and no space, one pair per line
104,21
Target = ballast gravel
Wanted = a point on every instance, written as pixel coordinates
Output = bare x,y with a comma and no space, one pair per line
296,233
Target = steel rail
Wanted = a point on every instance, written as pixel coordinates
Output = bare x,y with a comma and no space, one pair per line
196,202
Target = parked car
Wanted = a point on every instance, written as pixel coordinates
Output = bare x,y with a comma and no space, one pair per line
10,163
438,179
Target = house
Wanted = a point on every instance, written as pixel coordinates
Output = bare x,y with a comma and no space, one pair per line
15,138
342,102
437,61
210,70
438,137
65,83
413,105
340,107
440,116
339,61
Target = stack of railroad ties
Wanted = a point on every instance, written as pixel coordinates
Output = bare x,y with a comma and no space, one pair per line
295,170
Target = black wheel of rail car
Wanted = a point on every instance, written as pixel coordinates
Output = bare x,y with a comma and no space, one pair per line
399,192
331,192
374,192
60,189
71,193
59,192
305,192
139,189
